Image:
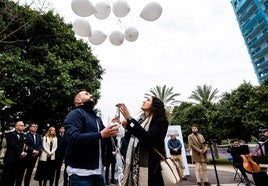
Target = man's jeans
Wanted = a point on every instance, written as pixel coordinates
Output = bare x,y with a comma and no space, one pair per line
93,180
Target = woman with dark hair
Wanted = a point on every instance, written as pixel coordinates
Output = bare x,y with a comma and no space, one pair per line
142,162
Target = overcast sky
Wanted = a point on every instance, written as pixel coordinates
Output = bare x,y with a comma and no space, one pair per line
193,43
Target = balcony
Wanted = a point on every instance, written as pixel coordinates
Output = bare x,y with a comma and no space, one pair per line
243,5
252,22
256,30
261,39
263,65
249,13
260,53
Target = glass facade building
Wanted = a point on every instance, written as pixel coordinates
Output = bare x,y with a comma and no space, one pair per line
252,17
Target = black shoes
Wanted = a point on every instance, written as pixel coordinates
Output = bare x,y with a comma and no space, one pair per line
107,182
113,182
205,184
247,182
184,178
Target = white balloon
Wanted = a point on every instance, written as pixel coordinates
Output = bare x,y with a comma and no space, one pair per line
131,34
82,27
151,12
121,8
116,38
102,10
97,37
82,8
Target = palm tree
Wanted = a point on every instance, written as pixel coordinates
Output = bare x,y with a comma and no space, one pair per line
204,94
166,95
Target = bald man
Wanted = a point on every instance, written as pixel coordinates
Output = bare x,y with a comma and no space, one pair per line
15,153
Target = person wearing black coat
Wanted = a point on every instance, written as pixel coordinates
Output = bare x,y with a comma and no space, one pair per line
238,160
110,160
263,141
123,146
60,153
15,153
141,158
33,141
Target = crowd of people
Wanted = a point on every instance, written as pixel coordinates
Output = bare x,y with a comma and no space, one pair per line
86,146
25,150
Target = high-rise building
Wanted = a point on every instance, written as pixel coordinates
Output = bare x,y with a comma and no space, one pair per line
252,17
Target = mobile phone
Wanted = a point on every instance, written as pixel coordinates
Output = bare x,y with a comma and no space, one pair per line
114,125
117,110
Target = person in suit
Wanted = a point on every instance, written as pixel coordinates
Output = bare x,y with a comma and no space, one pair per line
15,153
110,159
124,144
34,144
147,134
60,153
46,165
263,141
199,149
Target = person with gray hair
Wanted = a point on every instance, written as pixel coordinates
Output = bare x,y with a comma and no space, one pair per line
175,147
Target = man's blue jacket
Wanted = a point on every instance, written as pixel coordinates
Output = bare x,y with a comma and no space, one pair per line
82,130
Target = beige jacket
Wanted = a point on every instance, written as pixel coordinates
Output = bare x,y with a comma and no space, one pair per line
46,148
197,145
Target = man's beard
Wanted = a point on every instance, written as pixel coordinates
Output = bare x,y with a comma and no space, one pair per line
89,104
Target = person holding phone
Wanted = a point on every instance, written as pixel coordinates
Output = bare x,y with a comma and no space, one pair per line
85,139
142,162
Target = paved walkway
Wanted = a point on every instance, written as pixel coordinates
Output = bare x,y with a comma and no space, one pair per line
225,174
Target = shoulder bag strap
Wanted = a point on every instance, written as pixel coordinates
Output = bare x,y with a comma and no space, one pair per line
163,157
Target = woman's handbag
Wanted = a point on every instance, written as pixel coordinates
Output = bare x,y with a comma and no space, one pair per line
170,170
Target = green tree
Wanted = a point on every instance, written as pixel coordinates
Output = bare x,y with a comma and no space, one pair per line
204,94
188,114
166,95
257,108
4,102
43,64
232,113
238,114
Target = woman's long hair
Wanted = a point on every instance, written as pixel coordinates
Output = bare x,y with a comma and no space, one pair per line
158,108
48,133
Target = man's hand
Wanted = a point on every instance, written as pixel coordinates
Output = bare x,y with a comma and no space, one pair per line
110,131
23,154
35,153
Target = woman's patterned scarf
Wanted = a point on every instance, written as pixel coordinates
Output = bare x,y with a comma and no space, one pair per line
136,167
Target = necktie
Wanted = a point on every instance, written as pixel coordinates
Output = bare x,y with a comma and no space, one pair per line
34,139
